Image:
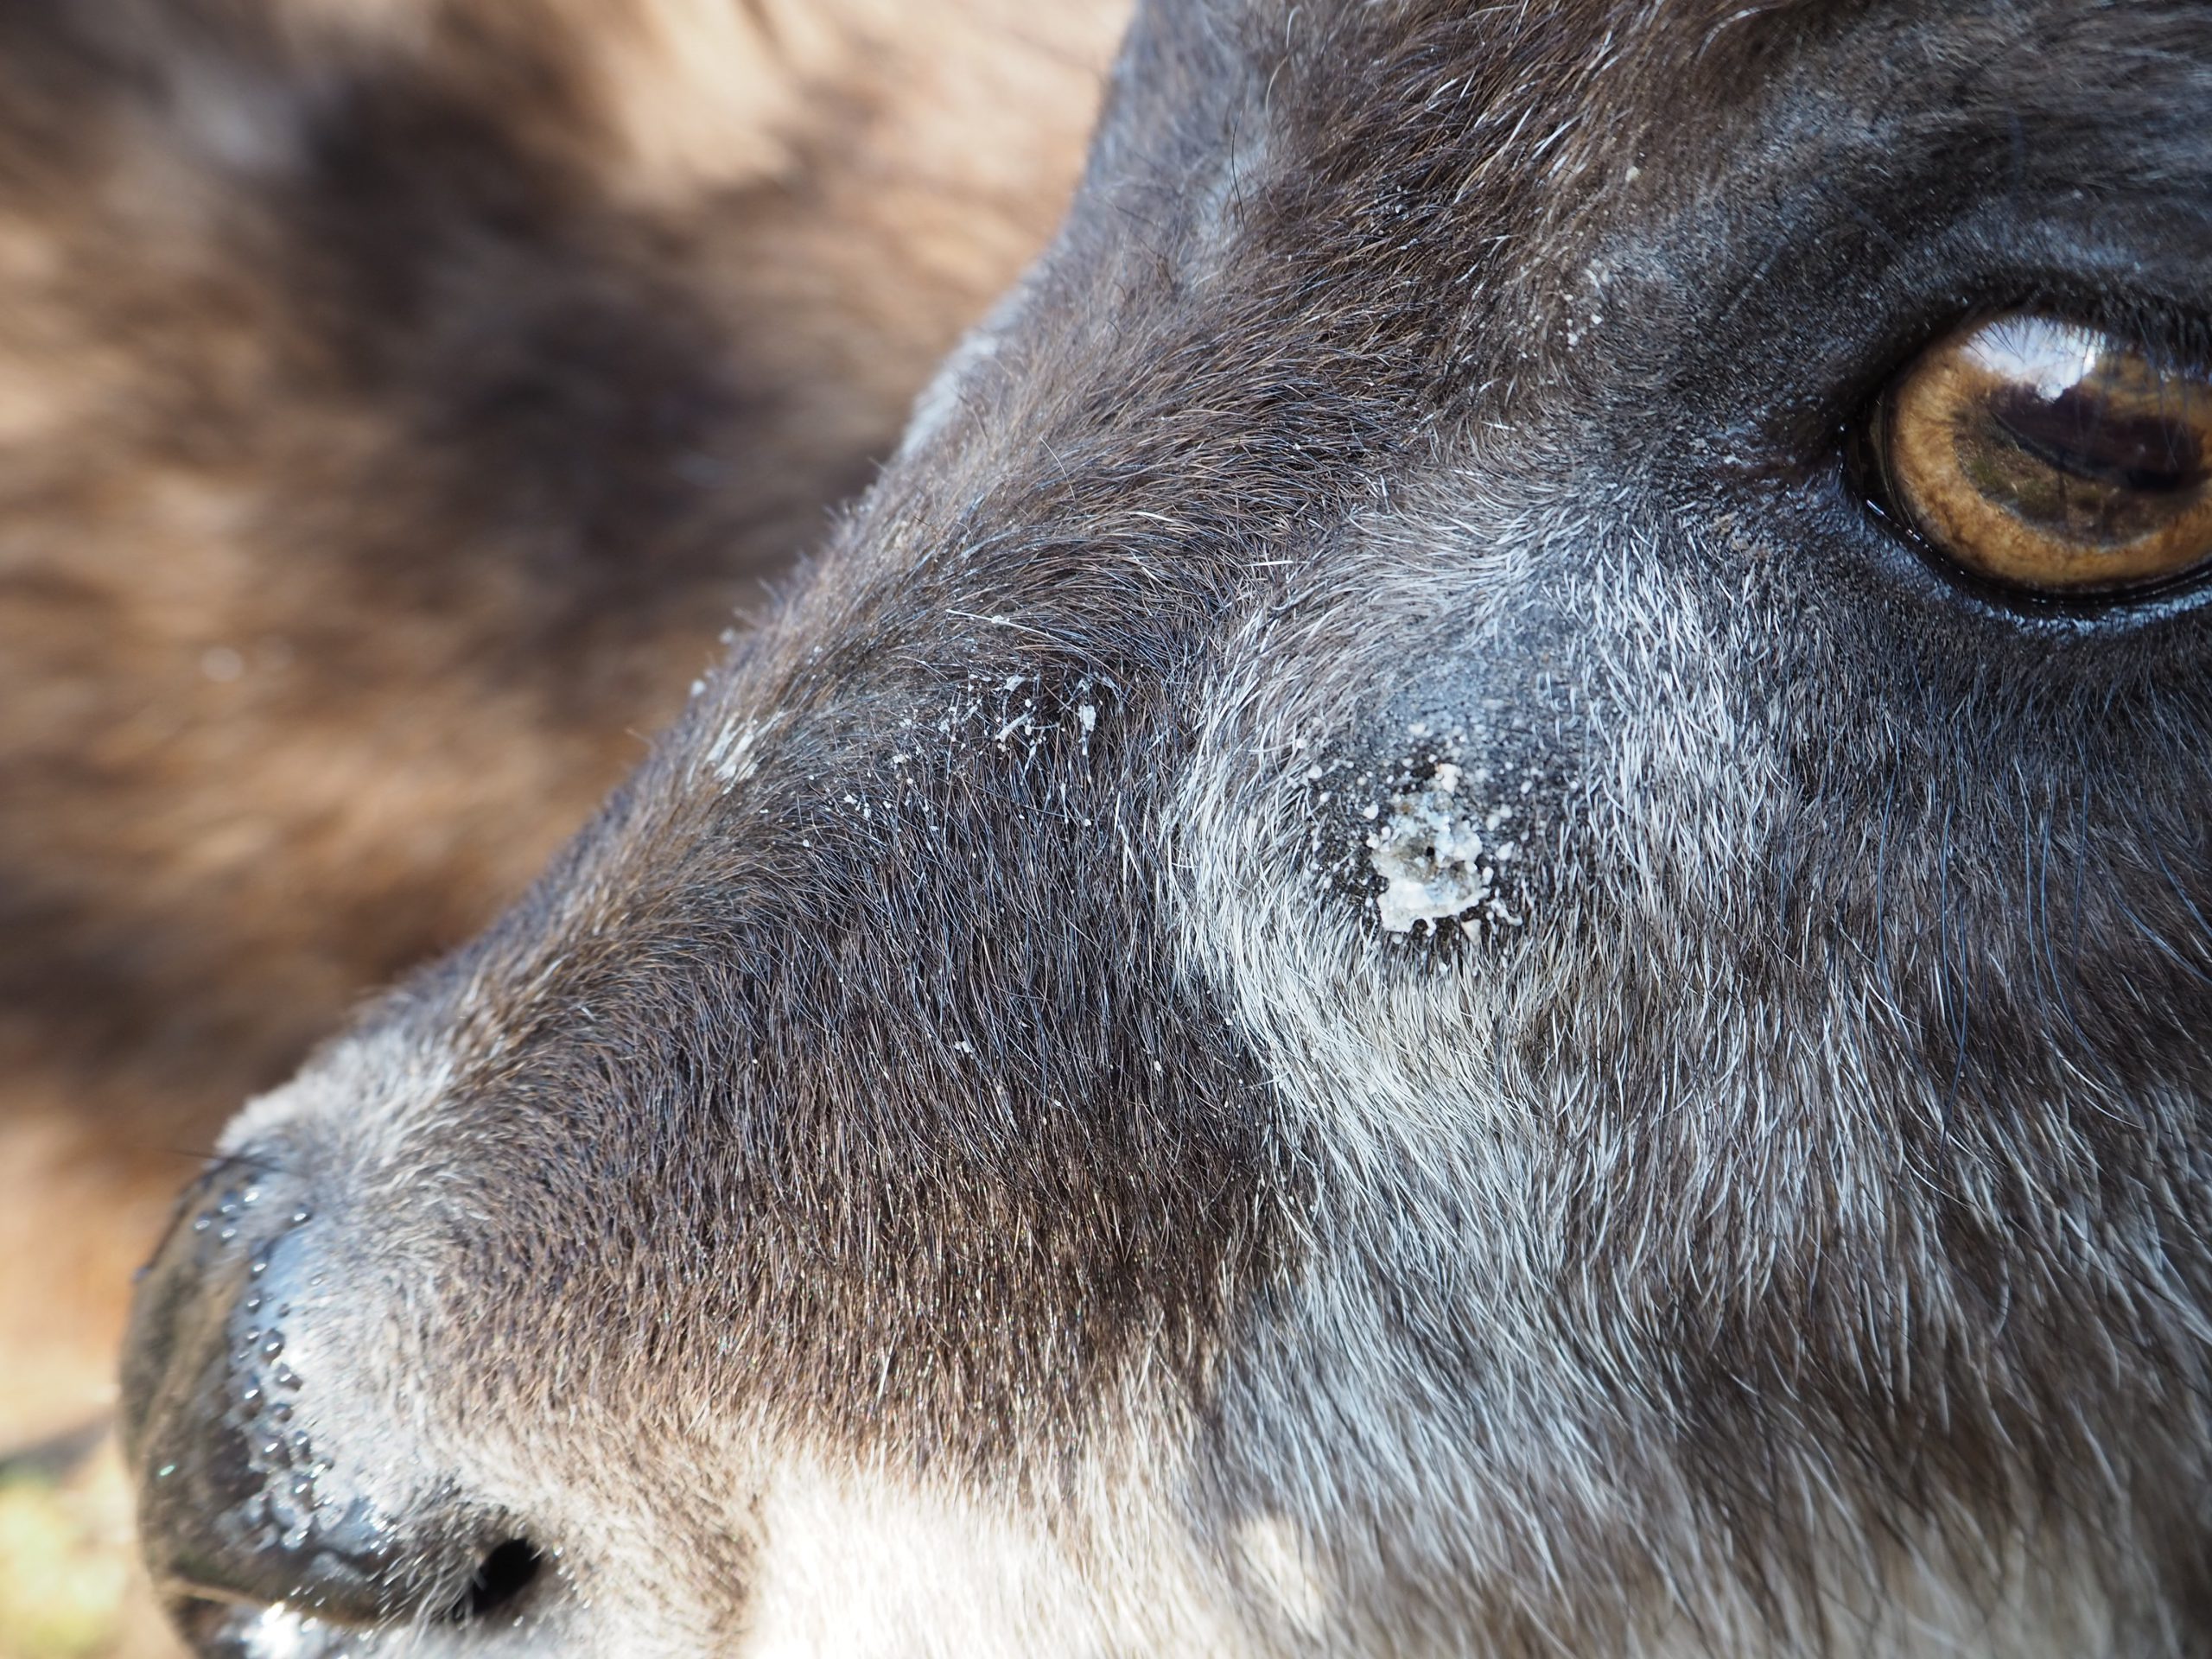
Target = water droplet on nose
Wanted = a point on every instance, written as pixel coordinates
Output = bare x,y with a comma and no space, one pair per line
202,1223
273,1347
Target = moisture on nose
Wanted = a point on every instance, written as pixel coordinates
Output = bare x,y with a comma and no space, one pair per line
239,1502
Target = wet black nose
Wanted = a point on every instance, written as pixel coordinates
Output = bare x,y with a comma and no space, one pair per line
243,1500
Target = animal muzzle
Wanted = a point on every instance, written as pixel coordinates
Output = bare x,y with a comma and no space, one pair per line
249,1509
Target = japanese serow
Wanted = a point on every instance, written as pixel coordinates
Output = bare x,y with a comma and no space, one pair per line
1470,918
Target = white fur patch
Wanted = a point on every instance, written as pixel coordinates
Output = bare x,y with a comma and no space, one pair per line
865,1566
1277,1560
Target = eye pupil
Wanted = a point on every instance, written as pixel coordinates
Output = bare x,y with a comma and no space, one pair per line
2077,468
2082,434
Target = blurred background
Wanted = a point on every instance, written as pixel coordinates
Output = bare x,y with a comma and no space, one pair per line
399,398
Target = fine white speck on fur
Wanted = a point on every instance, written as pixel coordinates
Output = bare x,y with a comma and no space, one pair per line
730,759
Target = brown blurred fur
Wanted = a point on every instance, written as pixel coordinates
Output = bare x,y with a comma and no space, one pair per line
394,396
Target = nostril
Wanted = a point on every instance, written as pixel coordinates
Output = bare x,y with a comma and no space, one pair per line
500,1578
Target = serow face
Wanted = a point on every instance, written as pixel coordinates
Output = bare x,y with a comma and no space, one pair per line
1470,918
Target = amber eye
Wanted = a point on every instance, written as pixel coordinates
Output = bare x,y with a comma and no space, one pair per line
2050,456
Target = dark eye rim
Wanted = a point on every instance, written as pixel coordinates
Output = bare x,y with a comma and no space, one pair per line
1887,565
1865,476
2149,601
